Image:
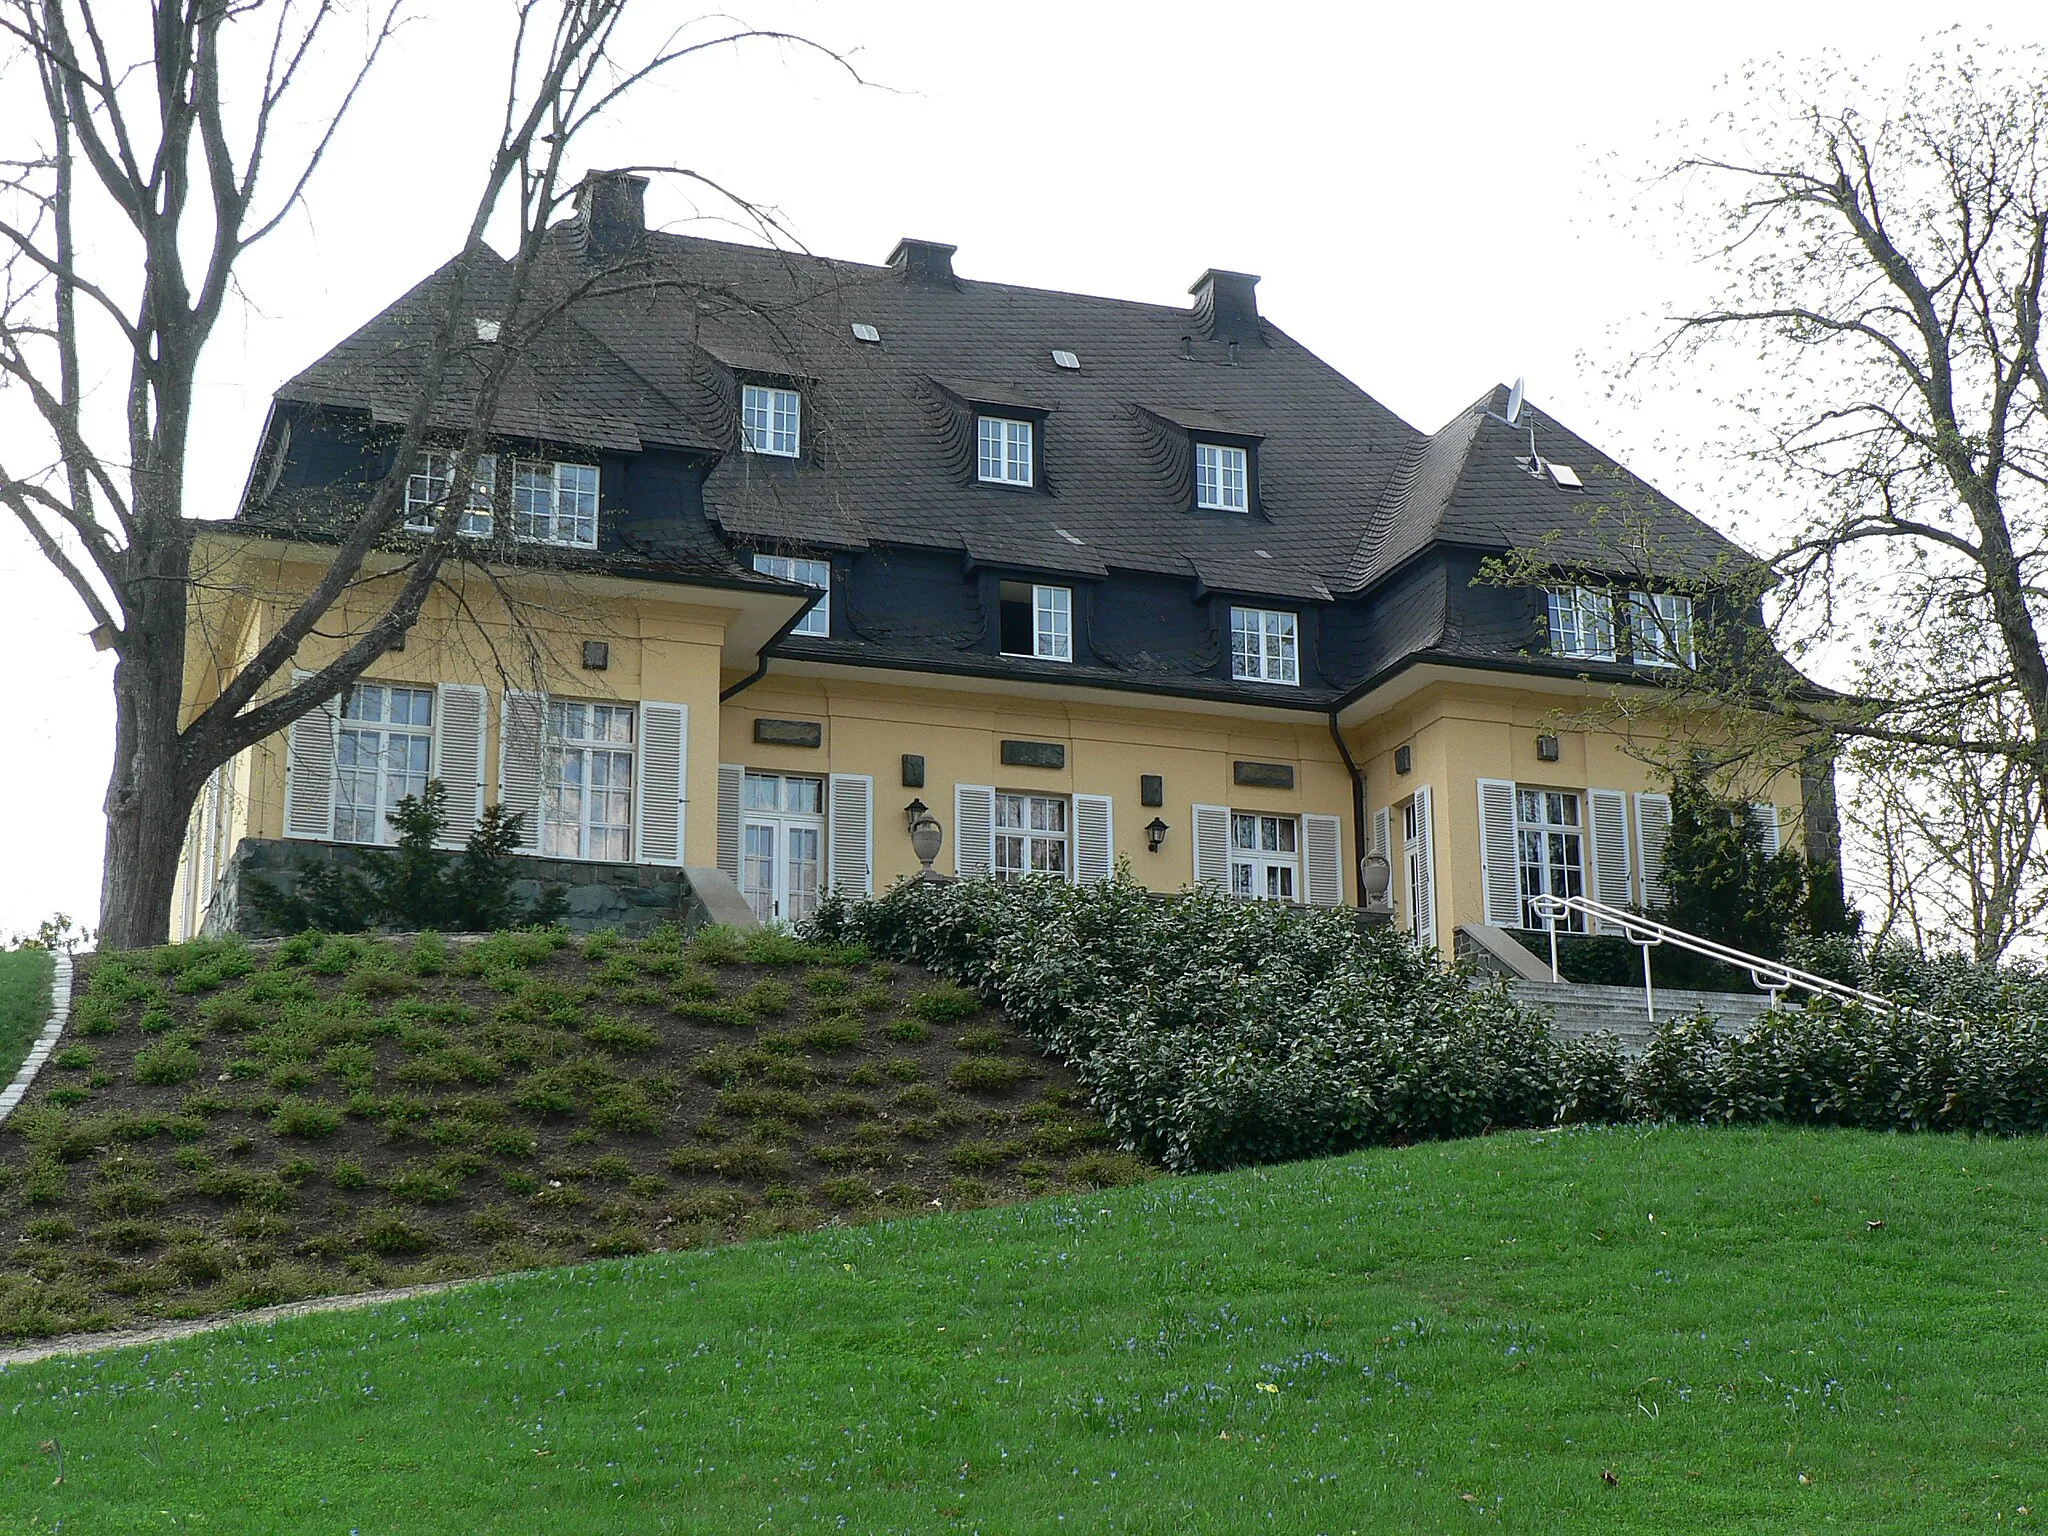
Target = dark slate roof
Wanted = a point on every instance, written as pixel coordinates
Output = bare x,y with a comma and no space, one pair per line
1467,484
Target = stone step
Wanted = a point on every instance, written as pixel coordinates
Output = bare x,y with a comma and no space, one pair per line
1578,1010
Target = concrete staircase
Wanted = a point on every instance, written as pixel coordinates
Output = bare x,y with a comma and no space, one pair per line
1577,1009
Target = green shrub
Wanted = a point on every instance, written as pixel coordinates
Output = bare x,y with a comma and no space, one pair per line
96,1015
846,1192
621,1037
979,1156
618,1242
829,1035
727,1015
610,1169
305,1119
766,997
513,1144
944,1004
128,1236
984,1042
166,1062
418,1184
749,1103
827,983
389,1233
903,1070
716,945
724,1065
987,1074
1106,1170
157,1018
73,1058
624,1107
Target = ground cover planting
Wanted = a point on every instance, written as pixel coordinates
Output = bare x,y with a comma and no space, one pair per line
228,1126
1622,1330
24,1004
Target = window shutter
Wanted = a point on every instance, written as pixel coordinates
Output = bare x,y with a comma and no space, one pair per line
851,834
459,710
1094,838
309,771
974,829
732,778
1212,847
1764,816
1383,832
1322,860
658,786
1608,809
1653,824
522,742
1425,885
1500,870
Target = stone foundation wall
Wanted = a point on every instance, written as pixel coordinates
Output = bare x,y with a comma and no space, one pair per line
633,898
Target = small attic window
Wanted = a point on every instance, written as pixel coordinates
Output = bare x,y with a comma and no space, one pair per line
1222,478
1564,477
486,330
862,331
1067,360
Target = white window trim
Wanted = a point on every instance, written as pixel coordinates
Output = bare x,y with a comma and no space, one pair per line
776,443
344,725
422,500
1660,629
1592,620
552,742
1065,839
554,467
1014,469
1260,860
1579,832
817,619
1266,669
1218,501
1058,603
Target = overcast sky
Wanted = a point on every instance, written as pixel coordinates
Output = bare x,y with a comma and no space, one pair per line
1427,191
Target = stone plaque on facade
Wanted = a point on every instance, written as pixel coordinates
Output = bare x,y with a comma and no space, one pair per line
789,733
1263,775
1034,754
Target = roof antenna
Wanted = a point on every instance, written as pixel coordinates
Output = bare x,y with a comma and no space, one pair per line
1513,418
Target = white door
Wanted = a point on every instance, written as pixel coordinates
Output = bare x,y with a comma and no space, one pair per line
782,837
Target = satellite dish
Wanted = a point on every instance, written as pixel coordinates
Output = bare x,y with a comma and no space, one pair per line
1515,404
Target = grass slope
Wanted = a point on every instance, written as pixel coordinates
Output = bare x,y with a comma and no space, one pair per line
24,1005
1746,1331
228,1127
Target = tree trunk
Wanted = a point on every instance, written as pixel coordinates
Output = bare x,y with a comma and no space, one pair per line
149,794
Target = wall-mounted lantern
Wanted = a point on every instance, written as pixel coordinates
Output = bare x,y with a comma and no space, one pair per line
913,811
1155,834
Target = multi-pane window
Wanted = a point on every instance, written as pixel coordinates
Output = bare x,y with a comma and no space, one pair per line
770,420
587,791
782,835
381,753
1222,478
1660,629
555,503
1582,623
1550,848
1031,836
1036,621
1265,861
1004,450
426,489
1264,646
817,619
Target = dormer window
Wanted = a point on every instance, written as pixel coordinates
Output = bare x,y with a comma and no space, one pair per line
1222,478
426,488
1265,646
1004,456
1037,621
1581,623
555,503
770,420
1660,629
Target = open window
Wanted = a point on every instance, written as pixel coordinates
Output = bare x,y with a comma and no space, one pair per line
1036,621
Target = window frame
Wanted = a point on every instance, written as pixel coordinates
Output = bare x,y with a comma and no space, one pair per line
788,904
815,620
1260,863
1552,834
1268,665
556,745
1047,600
555,491
383,801
1651,627
774,394
1588,608
1215,502
434,468
1006,443
1028,837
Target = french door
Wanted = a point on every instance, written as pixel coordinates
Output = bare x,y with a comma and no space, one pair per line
782,844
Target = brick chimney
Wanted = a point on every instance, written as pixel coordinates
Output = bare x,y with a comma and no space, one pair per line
1226,306
926,262
612,206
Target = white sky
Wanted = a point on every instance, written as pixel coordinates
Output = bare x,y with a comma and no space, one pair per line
1428,192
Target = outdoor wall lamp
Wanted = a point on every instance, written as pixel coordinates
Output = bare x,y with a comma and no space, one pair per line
1155,834
913,811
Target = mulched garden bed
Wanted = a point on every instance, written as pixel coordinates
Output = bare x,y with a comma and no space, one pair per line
229,1126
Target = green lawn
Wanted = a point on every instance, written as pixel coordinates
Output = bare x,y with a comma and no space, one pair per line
24,1005
1745,1331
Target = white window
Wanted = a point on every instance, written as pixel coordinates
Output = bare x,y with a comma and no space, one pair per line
817,619
1581,623
381,753
1005,456
426,488
1036,621
555,503
782,837
1031,836
587,788
770,420
1265,860
1264,646
1222,478
1550,849
1660,629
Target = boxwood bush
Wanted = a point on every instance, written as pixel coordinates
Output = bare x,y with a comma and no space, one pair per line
1213,1033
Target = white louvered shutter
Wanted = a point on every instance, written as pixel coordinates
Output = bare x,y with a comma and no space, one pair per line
1322,860
1765,817
522,752
1212,847
1612,878
459,710
974,829
309,771
732,779
1653,825
1094,838
1425,883
1383,832
851,835
659,785
1500,866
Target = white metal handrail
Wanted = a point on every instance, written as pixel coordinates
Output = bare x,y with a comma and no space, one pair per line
1773,976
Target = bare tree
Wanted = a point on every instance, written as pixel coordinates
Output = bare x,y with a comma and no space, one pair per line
175,132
